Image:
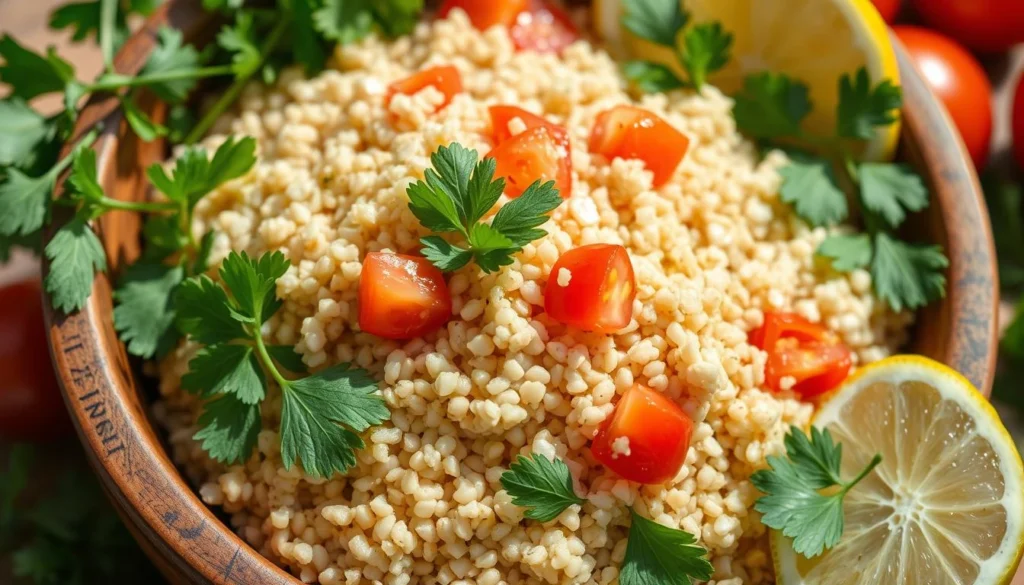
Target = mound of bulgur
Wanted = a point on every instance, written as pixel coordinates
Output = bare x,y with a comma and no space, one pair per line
712,250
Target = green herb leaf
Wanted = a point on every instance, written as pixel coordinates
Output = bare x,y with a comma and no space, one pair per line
30,74
908,276
706,49
809,184
83,18
240,41
204,312
847,252
447,257
32,242
344,21
321,415
307,47
793,501
891,190
398,17
75,254
24,132
226,369
25,202
170,54
229,429
195,175
651,77
144,316
253,283
225,5
287,358
657,21
543,486
143,126
862,107
659,555
771,106
455,196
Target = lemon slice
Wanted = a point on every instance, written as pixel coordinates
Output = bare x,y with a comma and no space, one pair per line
945,506
815,41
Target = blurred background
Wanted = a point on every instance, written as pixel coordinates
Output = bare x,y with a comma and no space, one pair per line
55,526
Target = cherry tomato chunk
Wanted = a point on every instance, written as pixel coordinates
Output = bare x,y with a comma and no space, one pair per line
401,297
486,13
959,81
888,9
809,353
544,28
31,407
592,287
503,115
538,154
444,78
631,132
988,26
646,438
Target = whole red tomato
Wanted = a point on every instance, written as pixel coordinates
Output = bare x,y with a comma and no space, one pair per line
1018,122
31,407
958,80
888,9
983,25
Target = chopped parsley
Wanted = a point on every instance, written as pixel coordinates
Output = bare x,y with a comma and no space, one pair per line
804,491
543,486
454,197
321,413
659,555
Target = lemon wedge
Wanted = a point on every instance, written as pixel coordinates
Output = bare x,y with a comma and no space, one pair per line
945,506
815,41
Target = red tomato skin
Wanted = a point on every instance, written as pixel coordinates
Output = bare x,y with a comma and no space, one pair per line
987,26
888,9
486,13
536,154
544,28
402,297
659,435
31,406
813,355
631,132
501,115
959,81
445,78
599,295
1018,122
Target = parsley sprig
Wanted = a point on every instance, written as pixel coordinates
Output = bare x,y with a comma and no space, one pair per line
701,49
455,196
659,555
321,413
823,176
543,486
804,491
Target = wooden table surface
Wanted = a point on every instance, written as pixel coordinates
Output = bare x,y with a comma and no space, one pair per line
26,20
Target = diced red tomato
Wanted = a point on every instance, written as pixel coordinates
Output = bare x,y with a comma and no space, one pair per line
805,351
646,438
401,297
544,28
631,132
445,78
502,115
596,290
537,154
486,13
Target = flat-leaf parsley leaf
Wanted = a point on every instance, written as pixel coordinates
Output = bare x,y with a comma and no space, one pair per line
543,486
798,499
659,555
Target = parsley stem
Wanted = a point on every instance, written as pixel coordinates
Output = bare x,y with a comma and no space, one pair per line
874,463
116,81
139,206
268,363
229,96
108,18
85,142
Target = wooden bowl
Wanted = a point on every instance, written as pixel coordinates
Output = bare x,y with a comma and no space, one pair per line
190,544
